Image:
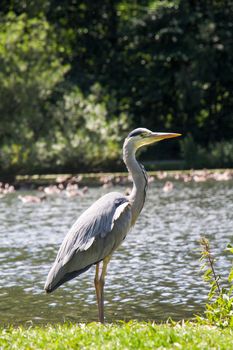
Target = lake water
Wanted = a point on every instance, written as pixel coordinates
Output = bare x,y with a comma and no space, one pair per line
154,274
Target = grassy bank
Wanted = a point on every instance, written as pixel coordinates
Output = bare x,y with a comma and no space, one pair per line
131,335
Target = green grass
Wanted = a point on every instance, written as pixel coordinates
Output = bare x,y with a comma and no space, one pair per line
133,335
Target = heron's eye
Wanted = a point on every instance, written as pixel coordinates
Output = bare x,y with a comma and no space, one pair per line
144,134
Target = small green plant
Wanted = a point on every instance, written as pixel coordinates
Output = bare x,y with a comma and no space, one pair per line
219,308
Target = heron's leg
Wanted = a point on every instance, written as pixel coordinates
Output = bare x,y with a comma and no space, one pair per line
101,269
99,295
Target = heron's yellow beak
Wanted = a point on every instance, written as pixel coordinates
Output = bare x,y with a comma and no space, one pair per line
158,136
154,137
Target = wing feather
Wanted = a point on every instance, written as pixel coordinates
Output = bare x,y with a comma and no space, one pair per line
95,222
95,235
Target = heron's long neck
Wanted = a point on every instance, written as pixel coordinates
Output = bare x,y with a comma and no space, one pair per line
138,194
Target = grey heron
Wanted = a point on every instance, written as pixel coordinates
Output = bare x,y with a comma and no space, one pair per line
100,229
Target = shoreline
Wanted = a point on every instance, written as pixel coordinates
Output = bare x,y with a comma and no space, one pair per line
78,184
120,178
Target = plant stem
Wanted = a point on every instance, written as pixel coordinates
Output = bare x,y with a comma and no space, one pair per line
206,250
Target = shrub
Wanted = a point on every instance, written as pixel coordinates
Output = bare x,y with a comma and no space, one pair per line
30,69
87,130
216,155
219,309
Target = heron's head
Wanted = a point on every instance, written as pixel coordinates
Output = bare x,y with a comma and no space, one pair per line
141,137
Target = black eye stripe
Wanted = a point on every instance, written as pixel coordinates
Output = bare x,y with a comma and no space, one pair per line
135,133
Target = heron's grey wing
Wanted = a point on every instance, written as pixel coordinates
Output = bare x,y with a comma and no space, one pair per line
96,222
96,233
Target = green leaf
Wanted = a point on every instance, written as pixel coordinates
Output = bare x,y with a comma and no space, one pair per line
230,277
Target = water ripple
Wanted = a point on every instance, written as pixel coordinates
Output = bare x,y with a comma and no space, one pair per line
153,275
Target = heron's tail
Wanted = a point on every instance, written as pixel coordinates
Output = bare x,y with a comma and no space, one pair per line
55,275
59,275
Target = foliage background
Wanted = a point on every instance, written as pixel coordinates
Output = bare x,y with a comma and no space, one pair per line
76,76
